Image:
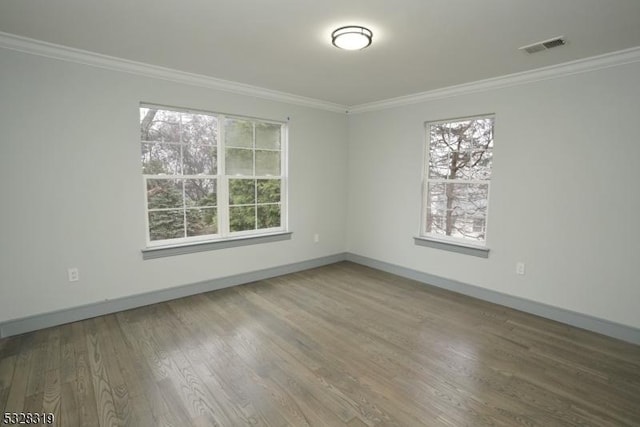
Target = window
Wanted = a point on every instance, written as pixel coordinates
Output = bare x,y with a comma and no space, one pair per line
456,185
211,176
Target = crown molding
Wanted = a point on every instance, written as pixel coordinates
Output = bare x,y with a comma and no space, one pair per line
607,60
69,54
64,53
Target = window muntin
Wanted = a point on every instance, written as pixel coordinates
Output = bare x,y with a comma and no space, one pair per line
459,156
210,176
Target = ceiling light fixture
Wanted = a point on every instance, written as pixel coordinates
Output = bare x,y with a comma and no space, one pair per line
352,37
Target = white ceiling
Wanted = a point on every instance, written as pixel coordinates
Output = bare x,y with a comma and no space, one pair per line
284,45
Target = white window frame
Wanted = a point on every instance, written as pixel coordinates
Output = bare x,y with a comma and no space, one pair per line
443,240
222,183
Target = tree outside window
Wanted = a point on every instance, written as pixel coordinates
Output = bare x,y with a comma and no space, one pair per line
210,176
458,172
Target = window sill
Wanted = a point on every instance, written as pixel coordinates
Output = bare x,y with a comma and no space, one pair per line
189,248
460,248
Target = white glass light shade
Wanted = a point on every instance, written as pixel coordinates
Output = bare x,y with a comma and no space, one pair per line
351,37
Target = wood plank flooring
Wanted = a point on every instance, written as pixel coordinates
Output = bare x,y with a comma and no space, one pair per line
342,345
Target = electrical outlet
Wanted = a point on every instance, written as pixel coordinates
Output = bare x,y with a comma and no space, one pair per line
316,238
520,268
73,273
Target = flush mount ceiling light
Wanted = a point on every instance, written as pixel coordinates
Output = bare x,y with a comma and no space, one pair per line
352,37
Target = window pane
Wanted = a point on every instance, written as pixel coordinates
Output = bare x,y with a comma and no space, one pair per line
479,225
268,190
436,208
160,159
201,222
239,161
457,210
481,134
439,164
199,129
242,218
469,205
238,133
461,149
200,160
242,191
164,193
268,216
268,136
475,165
166,224
200,192
159,125
267,163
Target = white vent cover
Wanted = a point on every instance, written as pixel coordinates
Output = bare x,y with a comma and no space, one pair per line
544,45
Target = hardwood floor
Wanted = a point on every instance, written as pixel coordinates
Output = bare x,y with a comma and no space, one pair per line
342,345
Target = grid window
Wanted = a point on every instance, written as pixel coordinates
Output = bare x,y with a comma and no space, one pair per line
210,176
458,162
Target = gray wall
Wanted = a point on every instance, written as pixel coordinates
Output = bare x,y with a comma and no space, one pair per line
564,196
72,192
564,192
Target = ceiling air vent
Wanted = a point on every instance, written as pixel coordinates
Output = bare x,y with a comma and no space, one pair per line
544,45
